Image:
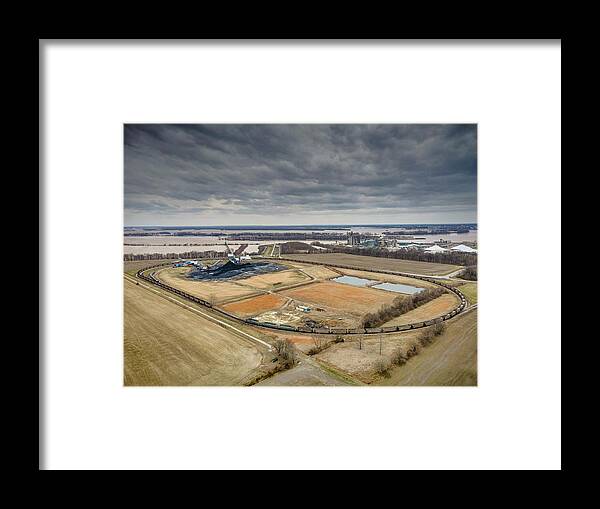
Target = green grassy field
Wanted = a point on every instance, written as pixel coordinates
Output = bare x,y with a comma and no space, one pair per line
470,291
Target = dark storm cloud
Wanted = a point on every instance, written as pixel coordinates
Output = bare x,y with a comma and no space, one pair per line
297,171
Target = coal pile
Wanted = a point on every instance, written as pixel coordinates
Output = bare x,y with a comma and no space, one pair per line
230,270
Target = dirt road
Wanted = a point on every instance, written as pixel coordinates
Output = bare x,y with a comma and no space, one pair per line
305,374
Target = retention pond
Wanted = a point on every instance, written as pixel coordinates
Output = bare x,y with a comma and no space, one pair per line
399,288
372,283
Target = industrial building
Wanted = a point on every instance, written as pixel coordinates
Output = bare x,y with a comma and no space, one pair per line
353,238
370,243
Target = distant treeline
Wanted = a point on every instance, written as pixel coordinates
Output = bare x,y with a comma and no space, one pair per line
286,236
297,247
129,257
450,257
171,233
399,306
291,248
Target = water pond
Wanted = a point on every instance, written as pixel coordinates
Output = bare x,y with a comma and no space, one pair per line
397,287
354,281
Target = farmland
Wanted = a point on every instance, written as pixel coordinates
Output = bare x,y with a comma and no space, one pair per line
255,305
301,295
131,267
315,271
275,279
470,291
450,360
371,262
343,297
431,309
166,344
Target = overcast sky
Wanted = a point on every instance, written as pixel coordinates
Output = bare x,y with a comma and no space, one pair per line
299,174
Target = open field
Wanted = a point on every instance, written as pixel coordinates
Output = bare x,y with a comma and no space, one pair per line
372,262
347,298
131,267
274,280
450,360
470,291
166,344
359,355
304,342
432,309
217,291
316,271
249,307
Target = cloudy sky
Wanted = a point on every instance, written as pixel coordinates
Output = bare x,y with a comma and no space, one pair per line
299,174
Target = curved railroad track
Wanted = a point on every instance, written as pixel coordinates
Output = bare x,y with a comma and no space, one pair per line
141,274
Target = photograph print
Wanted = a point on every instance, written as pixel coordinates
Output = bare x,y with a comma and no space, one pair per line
300,255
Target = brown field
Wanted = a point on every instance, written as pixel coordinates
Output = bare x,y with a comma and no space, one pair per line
360,362
274,279
431,309
131,267
450,360
305,342
347,298
372,262
166,344
388,278
305,339
316,271
217,291
254,305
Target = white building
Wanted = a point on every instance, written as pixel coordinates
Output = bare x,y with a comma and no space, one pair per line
435,249
464,249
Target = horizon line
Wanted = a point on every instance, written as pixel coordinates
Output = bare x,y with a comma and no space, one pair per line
301,224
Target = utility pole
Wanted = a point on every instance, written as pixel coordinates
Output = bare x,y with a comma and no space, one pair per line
380,337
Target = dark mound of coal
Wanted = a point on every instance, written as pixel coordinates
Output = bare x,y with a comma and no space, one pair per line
231,270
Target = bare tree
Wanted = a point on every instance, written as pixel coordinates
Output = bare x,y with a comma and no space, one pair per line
286,350
382,366
319,342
